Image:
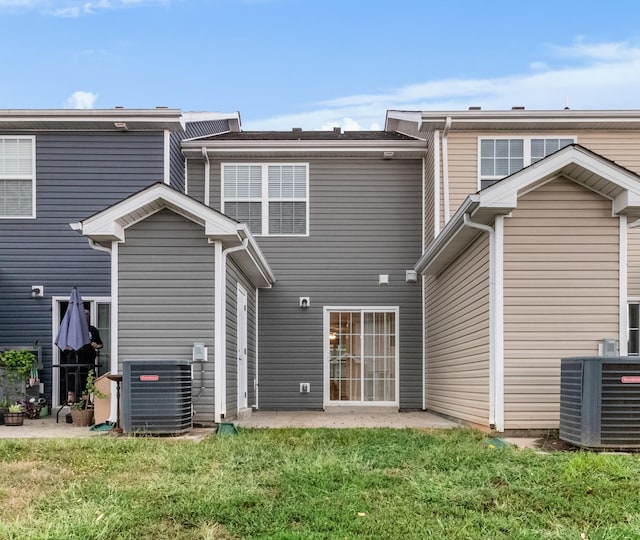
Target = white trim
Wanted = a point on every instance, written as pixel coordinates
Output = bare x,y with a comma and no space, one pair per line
498,276
242,402
167,157
526,151
326,355
55,326
207,180
265,199
219,350
623,329
422,281
436,187
115,334
445,170
32,177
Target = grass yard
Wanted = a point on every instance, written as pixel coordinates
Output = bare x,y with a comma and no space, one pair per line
314,483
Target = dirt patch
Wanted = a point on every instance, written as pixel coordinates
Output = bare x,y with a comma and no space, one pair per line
553,444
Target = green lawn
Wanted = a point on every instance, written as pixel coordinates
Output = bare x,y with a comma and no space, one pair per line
315,483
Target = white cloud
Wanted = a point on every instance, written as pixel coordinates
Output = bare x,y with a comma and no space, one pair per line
73,8
81,100
599,76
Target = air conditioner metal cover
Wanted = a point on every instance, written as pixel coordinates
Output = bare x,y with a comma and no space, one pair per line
600,401
156,396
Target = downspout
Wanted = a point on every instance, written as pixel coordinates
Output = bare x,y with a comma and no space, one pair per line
98,247
220,309
496,320
207,176
445,169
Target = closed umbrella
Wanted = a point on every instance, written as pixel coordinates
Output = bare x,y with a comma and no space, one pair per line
72,336
74,328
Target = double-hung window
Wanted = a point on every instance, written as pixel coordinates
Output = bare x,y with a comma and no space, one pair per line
17,176
500,157
272,198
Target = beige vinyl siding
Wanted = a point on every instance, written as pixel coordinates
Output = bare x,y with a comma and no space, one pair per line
457,320
560,293
463,167
623,147
166,297
429,181
633,262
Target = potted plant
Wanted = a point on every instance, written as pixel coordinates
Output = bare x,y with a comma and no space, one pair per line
15,416
82,411
18,365
4,408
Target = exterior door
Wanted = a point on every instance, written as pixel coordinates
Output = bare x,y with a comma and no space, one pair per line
362,356
242,372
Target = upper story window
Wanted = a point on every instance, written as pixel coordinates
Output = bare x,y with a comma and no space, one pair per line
272,198
17,177
500,157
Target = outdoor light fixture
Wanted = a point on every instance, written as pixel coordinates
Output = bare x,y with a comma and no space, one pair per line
37,291
304,302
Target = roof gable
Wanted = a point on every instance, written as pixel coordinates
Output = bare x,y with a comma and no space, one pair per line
111,224
574,162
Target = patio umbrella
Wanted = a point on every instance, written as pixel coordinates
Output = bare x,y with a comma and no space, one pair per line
74,328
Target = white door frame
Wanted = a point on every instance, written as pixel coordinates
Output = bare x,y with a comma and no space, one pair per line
55,326
242,372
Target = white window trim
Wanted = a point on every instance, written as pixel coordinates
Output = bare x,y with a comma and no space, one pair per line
264,199
31,177
526,155
327,354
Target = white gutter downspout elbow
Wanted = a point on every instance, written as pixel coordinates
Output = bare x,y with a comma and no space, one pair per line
496,320
98,247
220,346
445,170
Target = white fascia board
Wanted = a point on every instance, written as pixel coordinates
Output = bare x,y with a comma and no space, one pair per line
627,203
203,116
101,231
411,149
406,116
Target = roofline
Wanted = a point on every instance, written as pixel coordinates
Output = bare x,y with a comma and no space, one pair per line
376,148
202,116
134,119
479,119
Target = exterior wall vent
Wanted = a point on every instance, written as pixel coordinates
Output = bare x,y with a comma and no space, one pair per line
600,401
156,396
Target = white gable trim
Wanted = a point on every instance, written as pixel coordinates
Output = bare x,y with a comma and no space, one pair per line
110,225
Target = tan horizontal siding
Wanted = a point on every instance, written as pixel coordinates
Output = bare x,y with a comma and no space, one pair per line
457,337
560,294
429,180
633,262
623,147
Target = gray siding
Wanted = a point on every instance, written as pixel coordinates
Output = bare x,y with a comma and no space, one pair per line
365,220
77,174
235,276
192,130
166,297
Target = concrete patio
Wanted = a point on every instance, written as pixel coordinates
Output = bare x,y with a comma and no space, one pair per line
46,427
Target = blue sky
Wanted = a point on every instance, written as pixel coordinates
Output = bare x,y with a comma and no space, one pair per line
319,63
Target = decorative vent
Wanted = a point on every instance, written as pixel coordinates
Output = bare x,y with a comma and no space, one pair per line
156,396
600,402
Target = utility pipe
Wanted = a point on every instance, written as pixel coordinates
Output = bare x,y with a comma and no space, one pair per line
445,169
207,176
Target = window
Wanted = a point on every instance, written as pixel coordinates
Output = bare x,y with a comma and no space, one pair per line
17,177
271,198
363,355
502,157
